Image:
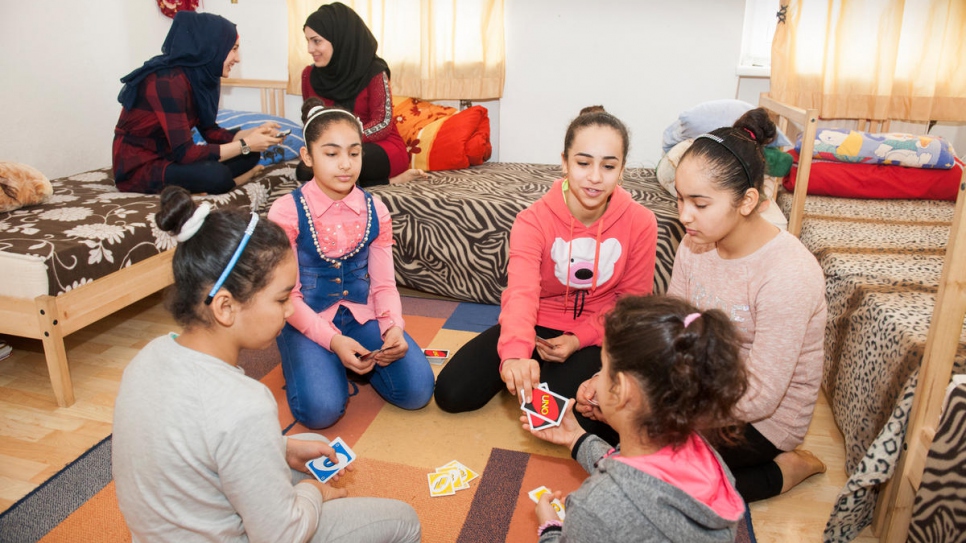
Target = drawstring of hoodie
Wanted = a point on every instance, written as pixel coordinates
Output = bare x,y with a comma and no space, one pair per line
580,295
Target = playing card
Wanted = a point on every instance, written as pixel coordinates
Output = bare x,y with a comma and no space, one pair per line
547,405
466,473
440,484
324,469
557,505
436,356
537,423
544,342
367,357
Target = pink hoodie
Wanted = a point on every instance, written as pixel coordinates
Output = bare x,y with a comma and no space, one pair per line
582,270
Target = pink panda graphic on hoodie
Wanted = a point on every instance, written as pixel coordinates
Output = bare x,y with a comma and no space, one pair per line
577,263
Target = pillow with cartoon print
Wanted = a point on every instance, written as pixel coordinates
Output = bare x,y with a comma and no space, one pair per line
893,149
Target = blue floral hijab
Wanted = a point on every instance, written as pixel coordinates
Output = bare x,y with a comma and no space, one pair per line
198,43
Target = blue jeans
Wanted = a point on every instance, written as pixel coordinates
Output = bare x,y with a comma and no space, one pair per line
315,379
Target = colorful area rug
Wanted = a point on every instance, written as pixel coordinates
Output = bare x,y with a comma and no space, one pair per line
396,450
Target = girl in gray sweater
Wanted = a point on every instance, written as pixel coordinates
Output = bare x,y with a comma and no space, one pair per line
669,375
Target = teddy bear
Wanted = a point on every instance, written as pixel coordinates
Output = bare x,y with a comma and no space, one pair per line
22,185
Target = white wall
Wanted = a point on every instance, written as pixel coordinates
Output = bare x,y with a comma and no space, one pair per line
644,60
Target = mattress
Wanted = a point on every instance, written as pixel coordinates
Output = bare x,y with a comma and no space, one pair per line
88,229
452,229
882,261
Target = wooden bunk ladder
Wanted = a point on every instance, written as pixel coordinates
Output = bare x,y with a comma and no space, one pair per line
894,510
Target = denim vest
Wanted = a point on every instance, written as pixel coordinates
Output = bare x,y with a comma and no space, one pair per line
345,278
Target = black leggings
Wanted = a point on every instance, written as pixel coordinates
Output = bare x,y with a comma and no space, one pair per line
472,377
210,176
375,167
752,462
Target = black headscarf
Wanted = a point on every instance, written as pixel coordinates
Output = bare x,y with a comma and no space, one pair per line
198,43
354,62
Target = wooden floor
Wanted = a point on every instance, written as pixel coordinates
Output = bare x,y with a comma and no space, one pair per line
37,438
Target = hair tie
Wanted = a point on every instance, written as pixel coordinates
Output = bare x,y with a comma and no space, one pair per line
751,134
318,111
690,318
193,224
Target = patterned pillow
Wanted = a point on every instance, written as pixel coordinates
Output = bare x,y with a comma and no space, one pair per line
895,149
440,137
289,148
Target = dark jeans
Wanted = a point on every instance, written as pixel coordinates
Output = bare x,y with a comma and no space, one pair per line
375,167
472,377
752,462
210,176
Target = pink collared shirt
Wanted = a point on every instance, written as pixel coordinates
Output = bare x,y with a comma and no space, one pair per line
340,225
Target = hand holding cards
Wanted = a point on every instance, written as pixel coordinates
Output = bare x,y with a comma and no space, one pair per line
324,469
558,506
545,409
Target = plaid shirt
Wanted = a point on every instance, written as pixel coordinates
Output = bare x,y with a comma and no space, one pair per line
157,132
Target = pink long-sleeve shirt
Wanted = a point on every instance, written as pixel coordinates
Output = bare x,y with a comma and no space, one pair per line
776,298
340,225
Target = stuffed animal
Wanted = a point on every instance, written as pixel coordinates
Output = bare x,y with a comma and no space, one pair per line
22,185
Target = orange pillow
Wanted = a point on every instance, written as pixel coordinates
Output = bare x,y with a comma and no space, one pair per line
443,138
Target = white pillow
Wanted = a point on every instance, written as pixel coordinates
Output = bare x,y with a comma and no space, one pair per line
708,116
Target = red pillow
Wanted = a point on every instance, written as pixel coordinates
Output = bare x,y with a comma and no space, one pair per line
875,181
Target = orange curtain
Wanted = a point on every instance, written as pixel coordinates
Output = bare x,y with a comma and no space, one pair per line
872,59
434,50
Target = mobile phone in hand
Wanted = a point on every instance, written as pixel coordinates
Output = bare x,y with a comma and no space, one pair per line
283,133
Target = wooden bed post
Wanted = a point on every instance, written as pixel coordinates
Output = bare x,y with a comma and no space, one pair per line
54,350
807,120
894,510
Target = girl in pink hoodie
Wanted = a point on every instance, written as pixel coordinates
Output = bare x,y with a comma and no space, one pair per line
573,253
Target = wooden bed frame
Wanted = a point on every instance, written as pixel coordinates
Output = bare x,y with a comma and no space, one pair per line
52,318
894,508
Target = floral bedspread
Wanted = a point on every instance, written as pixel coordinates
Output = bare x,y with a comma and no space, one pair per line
88,229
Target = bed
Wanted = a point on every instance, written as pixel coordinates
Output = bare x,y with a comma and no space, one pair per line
894,333
89,251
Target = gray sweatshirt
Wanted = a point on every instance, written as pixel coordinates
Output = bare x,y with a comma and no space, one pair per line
623,504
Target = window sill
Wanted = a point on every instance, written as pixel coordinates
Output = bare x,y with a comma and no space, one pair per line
753,71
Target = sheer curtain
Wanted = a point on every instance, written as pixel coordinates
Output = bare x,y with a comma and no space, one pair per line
435,51
872,59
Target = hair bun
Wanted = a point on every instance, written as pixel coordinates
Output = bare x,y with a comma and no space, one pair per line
756,125
177,206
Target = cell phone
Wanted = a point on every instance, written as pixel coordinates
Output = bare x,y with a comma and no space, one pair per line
283,133
544,342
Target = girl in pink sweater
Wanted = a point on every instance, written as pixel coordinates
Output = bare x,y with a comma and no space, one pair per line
573,253
772,288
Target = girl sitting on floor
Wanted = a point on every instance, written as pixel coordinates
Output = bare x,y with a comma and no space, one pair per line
348,314
668,373
198,453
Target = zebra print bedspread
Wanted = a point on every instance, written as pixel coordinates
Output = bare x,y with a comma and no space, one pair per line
882,261
452,229
939,512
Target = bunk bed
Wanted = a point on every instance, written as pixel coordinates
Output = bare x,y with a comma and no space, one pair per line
91,250
894,335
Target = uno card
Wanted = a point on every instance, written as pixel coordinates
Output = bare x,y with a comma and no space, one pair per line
440,484
466,473
546,405
557,505
544,342
324,469
537,423
367,357
436,356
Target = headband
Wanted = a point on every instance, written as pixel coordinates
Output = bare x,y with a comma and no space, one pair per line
318,111
741,161
691,318
194,222
234,258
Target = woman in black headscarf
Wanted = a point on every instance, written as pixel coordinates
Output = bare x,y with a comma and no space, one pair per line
168,96
346,73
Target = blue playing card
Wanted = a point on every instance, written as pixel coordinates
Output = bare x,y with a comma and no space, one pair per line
324,469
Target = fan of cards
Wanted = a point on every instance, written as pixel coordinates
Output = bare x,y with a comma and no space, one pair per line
557,505
449,478
324,469
545,409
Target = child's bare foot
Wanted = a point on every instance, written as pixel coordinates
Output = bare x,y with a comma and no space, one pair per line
249,175
796,466
407,176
